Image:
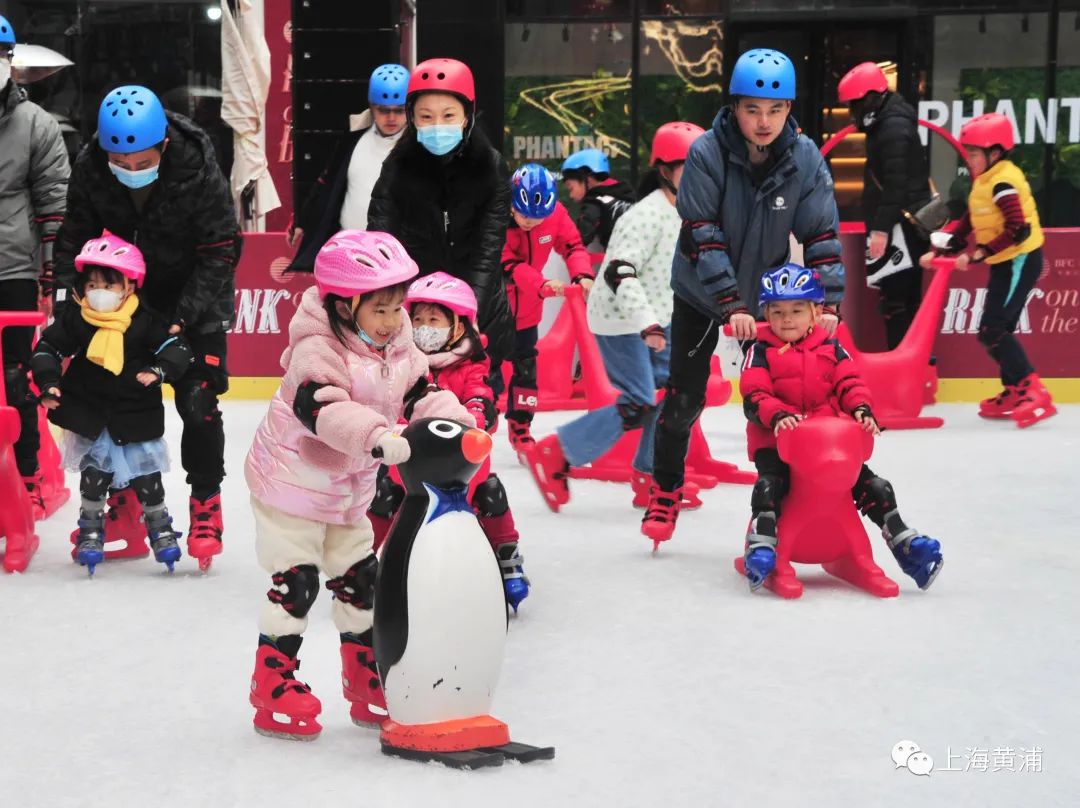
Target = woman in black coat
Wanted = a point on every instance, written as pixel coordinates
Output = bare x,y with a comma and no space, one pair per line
444,192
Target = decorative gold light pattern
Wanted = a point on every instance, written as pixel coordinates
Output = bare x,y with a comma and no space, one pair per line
556,100
701,75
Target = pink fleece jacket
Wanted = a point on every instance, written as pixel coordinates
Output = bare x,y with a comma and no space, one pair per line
329,475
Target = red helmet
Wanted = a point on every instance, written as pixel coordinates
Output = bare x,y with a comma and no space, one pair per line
671,143
860,80
987,131
442,76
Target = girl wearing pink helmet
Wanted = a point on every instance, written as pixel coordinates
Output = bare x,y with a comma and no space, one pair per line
443,310
109,398
351,373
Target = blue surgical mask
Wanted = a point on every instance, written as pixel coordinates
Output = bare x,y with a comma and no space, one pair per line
439,139
365,338
135,179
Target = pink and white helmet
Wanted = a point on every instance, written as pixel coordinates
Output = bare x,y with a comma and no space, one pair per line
112,251
440,287
355,262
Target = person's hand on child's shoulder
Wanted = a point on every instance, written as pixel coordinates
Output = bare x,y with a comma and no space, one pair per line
148,377
830,322
50,399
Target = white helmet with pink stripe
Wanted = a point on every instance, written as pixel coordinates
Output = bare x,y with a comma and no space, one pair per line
115,253
355,262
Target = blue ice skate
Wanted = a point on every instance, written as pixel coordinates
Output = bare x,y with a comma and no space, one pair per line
515,582
90,540
164,541
760,560
918,556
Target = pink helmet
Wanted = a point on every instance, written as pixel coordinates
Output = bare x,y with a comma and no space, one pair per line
439,287
354,262
113,252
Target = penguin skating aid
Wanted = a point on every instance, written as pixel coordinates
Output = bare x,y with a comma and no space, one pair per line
440,611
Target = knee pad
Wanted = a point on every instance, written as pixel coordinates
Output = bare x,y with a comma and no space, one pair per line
94,484
680,410
197,403
874,495
768,492
148,489
388,497
17,386
991,335
490,499
357,585
633,415
525,371
295,589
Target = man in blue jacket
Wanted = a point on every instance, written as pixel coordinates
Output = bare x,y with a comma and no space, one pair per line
748,183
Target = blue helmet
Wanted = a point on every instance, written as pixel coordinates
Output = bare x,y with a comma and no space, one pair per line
388,85
791,282
131,119
7,33
592,161
534,191
763,73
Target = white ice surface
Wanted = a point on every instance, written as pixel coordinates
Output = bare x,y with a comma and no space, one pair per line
660,679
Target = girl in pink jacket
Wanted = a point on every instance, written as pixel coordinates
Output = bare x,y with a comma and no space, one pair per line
351,372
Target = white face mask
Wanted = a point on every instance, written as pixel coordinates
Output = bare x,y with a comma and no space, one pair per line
104,300
5,71
430,339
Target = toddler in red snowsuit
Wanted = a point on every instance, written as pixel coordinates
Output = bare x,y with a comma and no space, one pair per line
795,370
443,309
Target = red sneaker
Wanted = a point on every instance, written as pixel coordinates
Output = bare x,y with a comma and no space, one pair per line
642,485
275,690
1033,402
661,515
548,466
360,681
204,533
999,406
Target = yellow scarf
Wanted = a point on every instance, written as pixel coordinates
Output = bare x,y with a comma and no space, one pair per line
107,346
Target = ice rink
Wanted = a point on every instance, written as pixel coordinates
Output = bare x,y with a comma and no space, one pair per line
660,679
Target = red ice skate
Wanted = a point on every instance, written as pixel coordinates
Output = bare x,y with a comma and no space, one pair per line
642,484
360,682
204,533
1033,402
999,406
123,523
548,466
661,514
276,691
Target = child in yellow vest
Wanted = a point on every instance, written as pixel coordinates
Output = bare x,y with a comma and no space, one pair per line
1002,215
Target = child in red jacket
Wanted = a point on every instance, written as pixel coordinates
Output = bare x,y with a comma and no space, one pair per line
541,224
778,391
443,310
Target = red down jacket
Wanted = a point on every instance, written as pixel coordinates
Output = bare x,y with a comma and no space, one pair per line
526,252
466,378
814,376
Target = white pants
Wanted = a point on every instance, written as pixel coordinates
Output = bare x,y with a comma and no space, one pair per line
283,541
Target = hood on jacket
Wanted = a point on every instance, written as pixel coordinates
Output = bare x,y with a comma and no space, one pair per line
730,136
11,96
441,359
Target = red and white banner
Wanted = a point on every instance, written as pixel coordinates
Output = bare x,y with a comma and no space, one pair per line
279,148
266,299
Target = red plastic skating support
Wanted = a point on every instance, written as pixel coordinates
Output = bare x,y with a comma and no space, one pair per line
16,515
818,523
125,530
53,490
898,378
615,466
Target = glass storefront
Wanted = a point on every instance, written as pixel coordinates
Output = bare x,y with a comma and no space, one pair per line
608,72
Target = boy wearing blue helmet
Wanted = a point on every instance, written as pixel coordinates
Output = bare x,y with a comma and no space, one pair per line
602,198
33,185
340,198
749,183
151,178
539,226
777,393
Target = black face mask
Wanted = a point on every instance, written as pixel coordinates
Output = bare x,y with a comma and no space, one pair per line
864,112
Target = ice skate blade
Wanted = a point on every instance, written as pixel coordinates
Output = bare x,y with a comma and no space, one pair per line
522,752
287,736
468,759
933,575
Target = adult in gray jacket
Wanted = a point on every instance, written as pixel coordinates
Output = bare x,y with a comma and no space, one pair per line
748,183
33,190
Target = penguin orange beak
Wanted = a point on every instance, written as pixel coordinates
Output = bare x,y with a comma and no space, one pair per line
475,445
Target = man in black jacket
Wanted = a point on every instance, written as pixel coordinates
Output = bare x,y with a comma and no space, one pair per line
896,180
450,209
151,177
340,198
